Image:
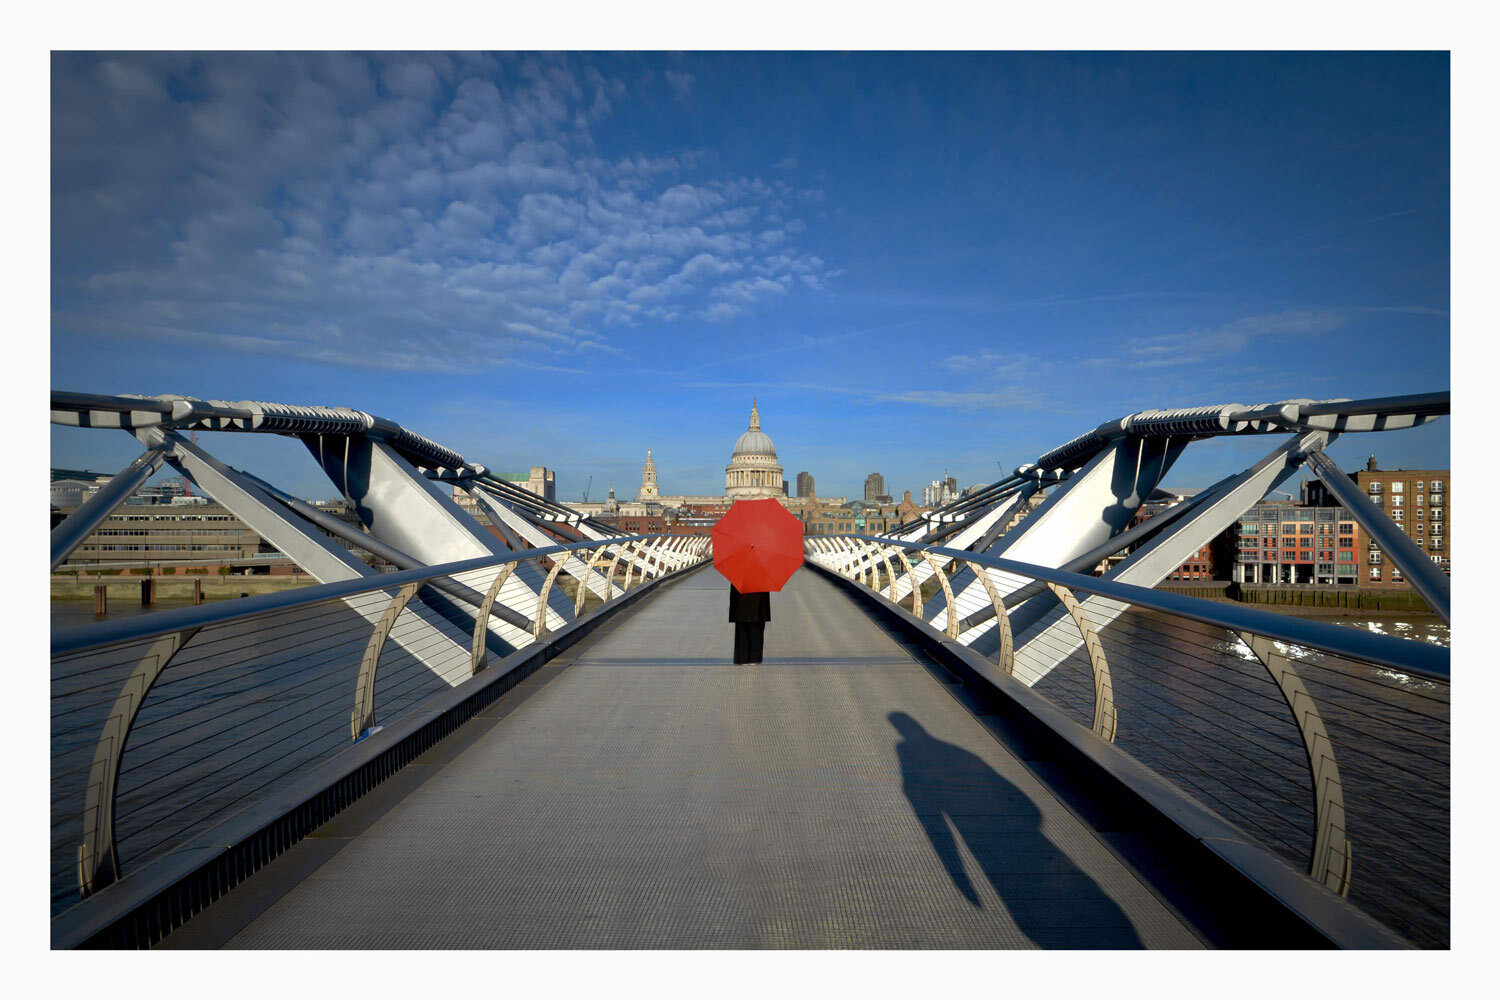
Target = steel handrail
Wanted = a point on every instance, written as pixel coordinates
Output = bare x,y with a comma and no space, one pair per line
1422,659
86,637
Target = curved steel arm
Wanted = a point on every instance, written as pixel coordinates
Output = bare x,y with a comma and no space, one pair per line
872,574
478,658
589,563
609,574
363,716
98,859
1006,658
947,593
635,552
1332,855
1104,697
890,572
916,586
541,613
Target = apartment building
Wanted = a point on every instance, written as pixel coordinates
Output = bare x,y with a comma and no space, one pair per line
1420,501
1286,543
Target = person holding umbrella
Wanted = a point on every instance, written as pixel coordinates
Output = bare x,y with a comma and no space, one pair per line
757,548
749,612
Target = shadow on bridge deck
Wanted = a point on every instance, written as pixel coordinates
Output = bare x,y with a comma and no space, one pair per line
643,792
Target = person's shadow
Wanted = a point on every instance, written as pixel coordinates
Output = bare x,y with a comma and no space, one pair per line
1052,902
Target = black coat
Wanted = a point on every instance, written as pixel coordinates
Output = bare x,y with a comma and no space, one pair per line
752,607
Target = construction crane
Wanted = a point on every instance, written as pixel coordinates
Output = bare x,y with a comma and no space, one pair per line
587,488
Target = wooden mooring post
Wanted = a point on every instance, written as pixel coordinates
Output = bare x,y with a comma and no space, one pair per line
101,601
197,591
148,590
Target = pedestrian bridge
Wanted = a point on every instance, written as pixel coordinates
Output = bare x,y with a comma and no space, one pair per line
534,737
643,792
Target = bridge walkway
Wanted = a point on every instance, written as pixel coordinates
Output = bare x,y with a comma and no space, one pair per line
643,792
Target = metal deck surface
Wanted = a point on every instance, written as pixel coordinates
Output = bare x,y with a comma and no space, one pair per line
654,795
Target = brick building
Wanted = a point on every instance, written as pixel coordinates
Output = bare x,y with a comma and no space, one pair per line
1420,501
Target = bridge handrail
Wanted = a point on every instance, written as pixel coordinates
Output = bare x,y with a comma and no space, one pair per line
80,638
1426,660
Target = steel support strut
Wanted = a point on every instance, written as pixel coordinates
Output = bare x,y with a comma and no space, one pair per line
1429,581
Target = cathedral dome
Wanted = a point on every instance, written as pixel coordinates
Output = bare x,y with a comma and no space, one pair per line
754,441
753,469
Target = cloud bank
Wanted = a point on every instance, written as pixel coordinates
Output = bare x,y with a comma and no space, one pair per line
430,214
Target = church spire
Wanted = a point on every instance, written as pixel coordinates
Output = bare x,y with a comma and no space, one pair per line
754,415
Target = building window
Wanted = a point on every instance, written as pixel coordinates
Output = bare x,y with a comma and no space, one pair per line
1436,543
1398,501
1346,556
1437,500
1420,498
1374,572
1398,487
1437,514
1374,488
1437,486
1398,515
1375,499
1346,527
1395,572
1376,558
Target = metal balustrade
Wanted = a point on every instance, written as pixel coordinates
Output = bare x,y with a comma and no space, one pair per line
1311,737
164,723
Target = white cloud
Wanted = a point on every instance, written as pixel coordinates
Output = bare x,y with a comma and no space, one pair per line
436,212
1199,345
1004,399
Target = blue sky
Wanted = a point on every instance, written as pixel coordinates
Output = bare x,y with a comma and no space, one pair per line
916,262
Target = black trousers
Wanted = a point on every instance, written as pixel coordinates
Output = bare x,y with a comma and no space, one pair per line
749,641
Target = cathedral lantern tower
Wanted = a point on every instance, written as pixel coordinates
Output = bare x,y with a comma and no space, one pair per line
648,480
753,469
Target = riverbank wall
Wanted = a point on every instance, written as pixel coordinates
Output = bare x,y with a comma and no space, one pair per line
1312,600
127,588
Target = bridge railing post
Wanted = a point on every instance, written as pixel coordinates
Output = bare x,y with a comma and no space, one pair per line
937,571
539,625
1104,703
98,856
1332,854
479,652
362,718
1005,657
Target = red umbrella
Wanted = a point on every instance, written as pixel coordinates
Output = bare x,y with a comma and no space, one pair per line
758,545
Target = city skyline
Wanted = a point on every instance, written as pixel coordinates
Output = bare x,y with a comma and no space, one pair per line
569,260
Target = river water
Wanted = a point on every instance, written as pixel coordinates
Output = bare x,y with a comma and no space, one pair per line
246,707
